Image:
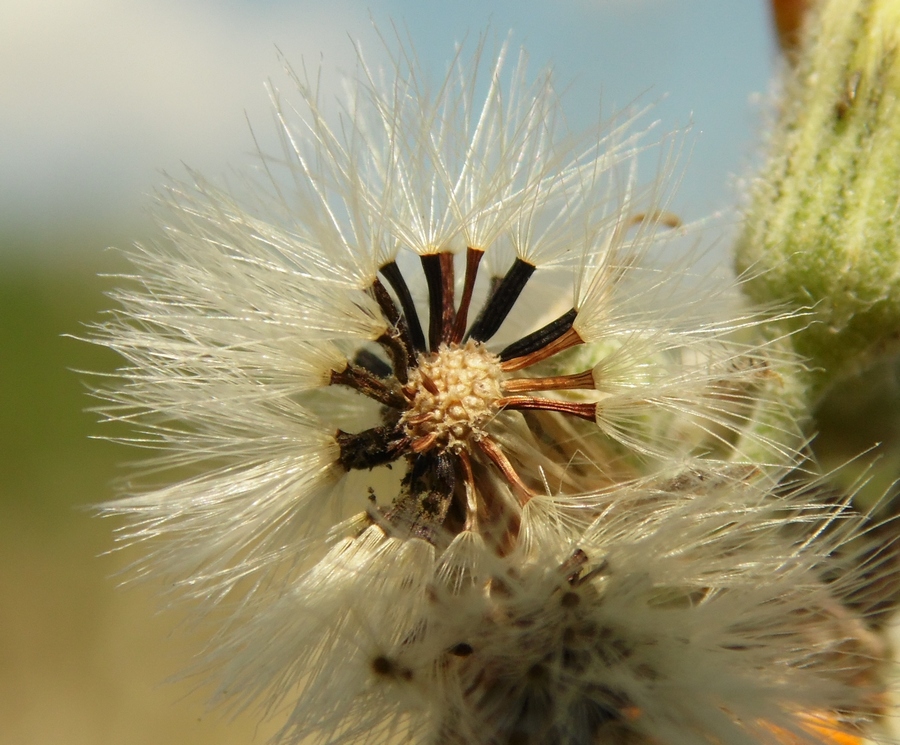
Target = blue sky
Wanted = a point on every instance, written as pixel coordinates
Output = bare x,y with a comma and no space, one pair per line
100,96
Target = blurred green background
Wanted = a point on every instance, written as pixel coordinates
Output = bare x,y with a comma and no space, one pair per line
94,99
81,662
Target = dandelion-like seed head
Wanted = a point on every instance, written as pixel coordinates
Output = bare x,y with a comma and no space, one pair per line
687,612
417,388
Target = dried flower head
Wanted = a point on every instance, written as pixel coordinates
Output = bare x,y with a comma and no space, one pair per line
415,389
696,608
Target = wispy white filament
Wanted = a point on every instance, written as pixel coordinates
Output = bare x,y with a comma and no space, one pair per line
700,614
591,561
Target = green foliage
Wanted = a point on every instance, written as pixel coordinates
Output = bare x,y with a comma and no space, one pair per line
822,228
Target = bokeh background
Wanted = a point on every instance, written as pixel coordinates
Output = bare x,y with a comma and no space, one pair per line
98,98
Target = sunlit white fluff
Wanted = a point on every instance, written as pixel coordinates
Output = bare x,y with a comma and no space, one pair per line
692,609
378,581
237,316
430,167
255,496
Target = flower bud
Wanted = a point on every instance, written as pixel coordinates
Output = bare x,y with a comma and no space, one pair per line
821,229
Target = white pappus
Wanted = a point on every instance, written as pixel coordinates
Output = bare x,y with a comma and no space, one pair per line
428,387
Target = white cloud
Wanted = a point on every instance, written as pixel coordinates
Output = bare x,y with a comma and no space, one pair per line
97,95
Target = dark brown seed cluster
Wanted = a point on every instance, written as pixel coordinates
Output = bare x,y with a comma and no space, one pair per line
440,391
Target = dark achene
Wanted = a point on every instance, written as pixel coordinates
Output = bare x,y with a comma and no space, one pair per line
439,397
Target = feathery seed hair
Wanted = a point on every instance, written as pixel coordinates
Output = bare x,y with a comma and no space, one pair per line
439,396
